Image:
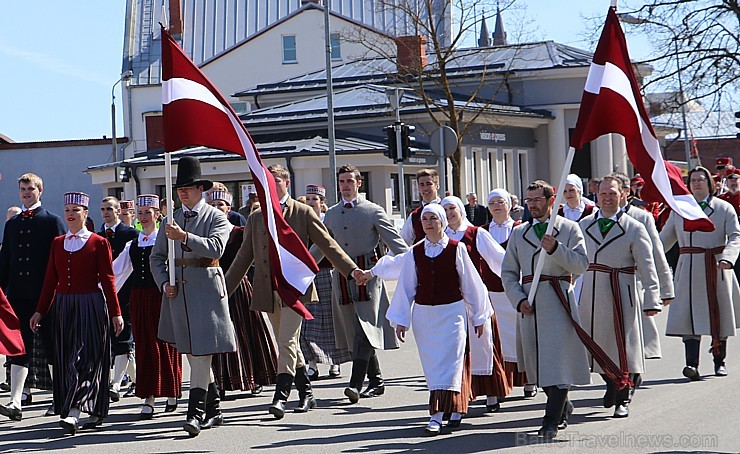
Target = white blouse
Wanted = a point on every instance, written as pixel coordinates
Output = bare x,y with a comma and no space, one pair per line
501,232
122,265
488,248
73,242
471,286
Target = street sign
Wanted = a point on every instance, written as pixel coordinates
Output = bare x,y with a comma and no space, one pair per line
443,141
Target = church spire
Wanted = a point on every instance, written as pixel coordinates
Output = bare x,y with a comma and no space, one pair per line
485,38
499,35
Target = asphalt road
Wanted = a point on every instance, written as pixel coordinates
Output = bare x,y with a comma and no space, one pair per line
668,414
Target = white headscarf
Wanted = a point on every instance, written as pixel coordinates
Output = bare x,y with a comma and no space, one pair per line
575,180
438,210
498,192
453,200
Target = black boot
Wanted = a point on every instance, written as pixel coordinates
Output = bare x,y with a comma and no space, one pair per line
196,410
282,392
214,417
719,360
376,385
556,399
567,411
691,371
359,370
610,395
305,392
622,401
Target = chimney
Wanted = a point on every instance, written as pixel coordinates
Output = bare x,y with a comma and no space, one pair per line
411,54
175,18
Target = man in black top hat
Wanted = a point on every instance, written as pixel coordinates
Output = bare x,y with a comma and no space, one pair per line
195,312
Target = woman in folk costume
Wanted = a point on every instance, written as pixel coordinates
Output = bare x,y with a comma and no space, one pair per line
576,208
318,342
158,364
11,344
254,363
704,280
75,306
499,204
437,309
486,352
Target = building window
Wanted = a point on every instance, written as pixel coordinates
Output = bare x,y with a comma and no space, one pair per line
336,50
289,49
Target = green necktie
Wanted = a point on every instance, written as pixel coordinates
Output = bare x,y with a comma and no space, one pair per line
703,205
605,224
540,229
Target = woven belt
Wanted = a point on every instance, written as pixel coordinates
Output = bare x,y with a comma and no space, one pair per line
196,263
611,370
616,307
710,263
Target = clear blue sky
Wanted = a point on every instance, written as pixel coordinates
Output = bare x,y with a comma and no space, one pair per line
59,60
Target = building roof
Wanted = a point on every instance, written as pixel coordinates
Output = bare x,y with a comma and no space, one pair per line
61,143
465,63
366,101
703,125
310,146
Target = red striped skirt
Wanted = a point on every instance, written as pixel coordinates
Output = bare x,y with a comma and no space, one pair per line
255,360
158,364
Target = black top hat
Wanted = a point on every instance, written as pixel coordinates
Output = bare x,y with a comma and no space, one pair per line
188,174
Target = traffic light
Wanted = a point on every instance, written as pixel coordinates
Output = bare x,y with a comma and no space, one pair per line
391,150
407,140
737,124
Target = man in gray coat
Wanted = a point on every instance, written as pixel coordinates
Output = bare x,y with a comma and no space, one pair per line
195,311
619,250
549,349
359,316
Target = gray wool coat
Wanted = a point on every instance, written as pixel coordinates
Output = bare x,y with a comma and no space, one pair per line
627,244
197,320
548,348
650,333
358,231
688,314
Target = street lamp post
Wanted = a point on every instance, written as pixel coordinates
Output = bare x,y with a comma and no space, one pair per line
394,97
332,189
125,76
630,19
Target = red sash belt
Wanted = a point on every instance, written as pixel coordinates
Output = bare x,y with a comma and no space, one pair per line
710,263
611,370
344,284
617,309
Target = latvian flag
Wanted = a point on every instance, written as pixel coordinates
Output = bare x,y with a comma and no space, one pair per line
612,104
196,114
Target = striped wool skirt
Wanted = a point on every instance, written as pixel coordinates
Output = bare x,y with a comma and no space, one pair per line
318,342
158,364
255,360
80,331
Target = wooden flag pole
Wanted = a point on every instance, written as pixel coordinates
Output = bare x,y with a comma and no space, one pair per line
170,214
559,195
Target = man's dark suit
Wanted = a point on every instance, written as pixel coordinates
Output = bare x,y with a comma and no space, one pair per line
123,343
23,259
477,214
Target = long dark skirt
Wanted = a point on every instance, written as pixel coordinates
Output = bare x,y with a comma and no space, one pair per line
513,375
255,360
318,342
158,364
81,353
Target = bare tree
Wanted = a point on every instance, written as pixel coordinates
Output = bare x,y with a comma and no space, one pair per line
445,24
704,37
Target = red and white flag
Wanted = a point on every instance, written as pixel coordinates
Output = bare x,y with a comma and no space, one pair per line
612,103
196,114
